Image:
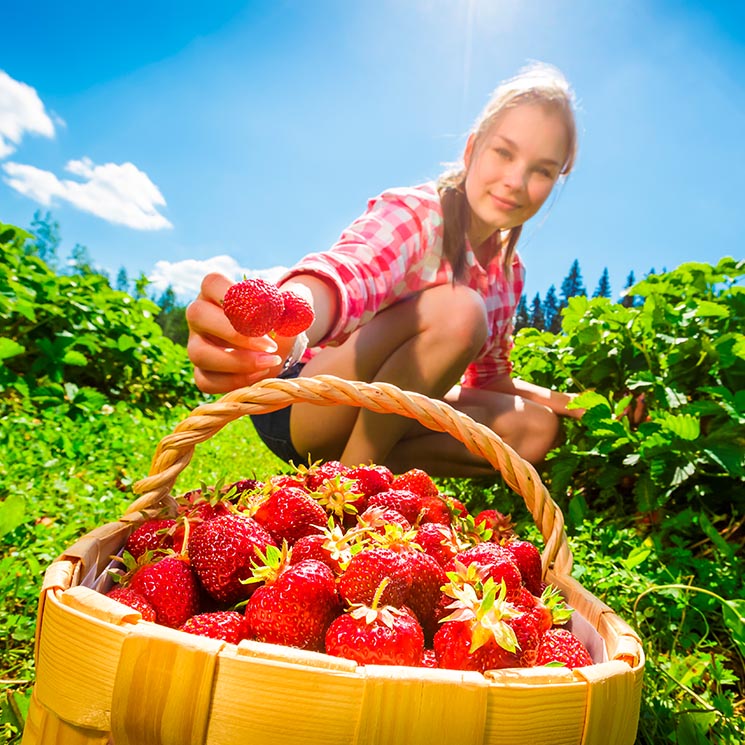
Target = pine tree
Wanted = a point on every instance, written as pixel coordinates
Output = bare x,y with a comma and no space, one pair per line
628,300
537,319
603,288
522,319
81,261
122,280
172,317
572,284
551,311
47,234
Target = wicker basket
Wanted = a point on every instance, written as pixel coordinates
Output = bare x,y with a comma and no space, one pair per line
105,675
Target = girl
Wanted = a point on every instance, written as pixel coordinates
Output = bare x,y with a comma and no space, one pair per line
420,291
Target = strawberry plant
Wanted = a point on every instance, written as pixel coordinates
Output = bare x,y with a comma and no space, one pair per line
683,349
72,342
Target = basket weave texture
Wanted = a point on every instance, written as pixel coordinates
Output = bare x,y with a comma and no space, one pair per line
105,675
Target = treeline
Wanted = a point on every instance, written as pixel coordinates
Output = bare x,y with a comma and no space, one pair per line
45,245
544,313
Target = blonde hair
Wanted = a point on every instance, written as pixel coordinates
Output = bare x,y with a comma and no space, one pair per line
537,83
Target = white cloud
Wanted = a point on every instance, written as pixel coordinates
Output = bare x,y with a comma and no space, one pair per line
21,112
186,276
118,193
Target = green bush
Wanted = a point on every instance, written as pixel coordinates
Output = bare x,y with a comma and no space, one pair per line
72,342
683,348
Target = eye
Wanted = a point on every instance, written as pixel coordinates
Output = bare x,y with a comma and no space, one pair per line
543,171
503,152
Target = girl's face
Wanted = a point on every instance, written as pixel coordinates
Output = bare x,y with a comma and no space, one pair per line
512,168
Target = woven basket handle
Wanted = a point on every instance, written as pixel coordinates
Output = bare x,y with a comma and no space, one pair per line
175,450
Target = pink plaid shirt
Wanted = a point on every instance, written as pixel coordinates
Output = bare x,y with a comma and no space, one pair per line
393,251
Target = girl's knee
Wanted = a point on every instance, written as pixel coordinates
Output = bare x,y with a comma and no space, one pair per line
459,314
541,434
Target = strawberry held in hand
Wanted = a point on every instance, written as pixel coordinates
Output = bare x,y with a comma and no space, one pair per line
297,315
253,306
256,307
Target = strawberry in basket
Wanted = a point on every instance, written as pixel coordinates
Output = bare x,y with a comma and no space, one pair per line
373,567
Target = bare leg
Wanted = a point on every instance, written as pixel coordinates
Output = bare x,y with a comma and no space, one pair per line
422,344
529,428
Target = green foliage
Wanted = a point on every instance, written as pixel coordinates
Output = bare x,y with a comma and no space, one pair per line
684,349
73,342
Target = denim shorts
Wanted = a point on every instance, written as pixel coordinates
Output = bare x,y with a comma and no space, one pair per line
274,428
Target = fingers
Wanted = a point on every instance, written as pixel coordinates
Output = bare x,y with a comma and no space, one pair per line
214,286
213,382
224,359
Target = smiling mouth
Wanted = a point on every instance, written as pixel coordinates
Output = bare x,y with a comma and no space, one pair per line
505,204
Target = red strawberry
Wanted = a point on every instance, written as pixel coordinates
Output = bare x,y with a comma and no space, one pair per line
418,481
222,552
171,588
295,606
402,500
133,600
453,649
368,569
435,509
500,525
222,624
429,658
528,560
152,535
375,519
439,541
285,479
493,561
317,473
477,635
289,514
253,306
561,645
333,547
427,577
377,636
340,497
371,479
297,315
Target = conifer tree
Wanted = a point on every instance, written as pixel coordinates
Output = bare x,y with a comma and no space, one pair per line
628,300
572,284
522,318
537,319
80,261
47,234
603,288
122,280
551,311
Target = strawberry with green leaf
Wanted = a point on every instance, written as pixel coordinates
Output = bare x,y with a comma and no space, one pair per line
296,602
170,586
477,634
374,634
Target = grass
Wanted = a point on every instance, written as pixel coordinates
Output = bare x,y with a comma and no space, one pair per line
61,478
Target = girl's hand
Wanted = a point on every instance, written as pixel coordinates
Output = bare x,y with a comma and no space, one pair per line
224,359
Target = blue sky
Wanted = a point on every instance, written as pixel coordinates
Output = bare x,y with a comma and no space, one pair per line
175,137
